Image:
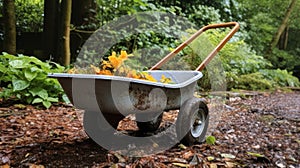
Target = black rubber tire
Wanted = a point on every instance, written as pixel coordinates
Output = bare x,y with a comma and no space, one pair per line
192,122
149,126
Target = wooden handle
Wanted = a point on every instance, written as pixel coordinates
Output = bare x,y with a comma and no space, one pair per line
194,36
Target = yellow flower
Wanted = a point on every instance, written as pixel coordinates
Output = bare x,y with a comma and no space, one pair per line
114,54
106,65
150,78
105,72
132,74
115,61
123,55
115,66
164,79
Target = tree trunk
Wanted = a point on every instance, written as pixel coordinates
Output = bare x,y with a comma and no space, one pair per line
283,41
50,29
66,10
283,25
9,16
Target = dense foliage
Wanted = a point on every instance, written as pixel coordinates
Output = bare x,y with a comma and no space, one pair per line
261,20
243,67
25,78
29,15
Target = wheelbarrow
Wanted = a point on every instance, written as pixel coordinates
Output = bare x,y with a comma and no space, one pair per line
108,99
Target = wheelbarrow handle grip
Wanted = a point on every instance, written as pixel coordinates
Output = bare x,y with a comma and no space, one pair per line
194,36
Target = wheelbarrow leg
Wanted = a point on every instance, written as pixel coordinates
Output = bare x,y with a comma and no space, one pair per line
101,127
113,119
151,122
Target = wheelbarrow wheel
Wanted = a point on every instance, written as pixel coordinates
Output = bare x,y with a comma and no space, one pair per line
192,122
148,126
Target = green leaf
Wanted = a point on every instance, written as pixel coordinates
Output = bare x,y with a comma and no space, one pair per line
29,100
66,99
18,64
19,84
35,91
52,99
37,100
30,75
3,68
255,154
47,104
43,94
210,140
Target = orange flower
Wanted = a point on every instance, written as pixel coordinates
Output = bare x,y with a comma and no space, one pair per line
105,72
123,55
115,66
115,61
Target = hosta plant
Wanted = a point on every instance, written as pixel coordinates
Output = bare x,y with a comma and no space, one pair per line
25,78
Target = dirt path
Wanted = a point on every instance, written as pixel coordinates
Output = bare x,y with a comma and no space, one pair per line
258,131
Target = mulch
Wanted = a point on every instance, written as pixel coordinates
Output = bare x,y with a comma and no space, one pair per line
261,129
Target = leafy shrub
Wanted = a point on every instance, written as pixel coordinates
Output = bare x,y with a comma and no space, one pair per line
202,15
280,77
253,81
29,15
283,60
243,67
25,78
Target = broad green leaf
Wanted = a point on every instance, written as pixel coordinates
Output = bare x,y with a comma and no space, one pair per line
18,64
52,99
35,91
43,94
47,104
19,84
30,75
8,56
41,76
34,69
37,100
66,99
3,69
